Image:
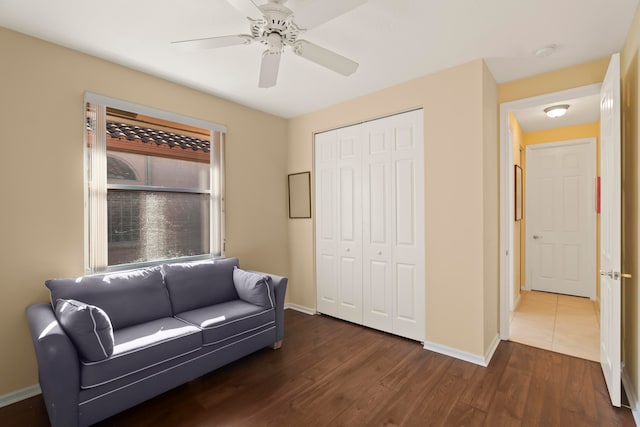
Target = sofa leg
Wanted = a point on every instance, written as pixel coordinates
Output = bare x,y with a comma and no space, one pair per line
276,345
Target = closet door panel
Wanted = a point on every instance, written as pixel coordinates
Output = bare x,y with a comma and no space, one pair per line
349,213
377,202
327,283
379,304
408,217
406,280
405,203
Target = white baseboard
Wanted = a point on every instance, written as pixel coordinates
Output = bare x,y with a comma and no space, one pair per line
631,395
492,349
301,309
463,355
18,395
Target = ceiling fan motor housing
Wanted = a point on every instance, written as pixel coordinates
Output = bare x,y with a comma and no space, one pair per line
277,29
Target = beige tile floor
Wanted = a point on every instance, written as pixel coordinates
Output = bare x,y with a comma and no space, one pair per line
560,323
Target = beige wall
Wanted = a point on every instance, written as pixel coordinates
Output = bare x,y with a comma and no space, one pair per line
587,130
630,211
491,212
41,168
461,198
518,228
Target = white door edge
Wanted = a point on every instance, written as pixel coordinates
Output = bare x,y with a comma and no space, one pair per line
507,186
511,265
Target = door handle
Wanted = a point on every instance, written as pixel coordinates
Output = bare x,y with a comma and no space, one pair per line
536,237
615,275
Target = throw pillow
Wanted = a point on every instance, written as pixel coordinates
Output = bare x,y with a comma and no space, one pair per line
88,327
252,287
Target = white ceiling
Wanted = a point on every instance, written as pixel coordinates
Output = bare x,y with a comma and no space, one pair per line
393,40
581,110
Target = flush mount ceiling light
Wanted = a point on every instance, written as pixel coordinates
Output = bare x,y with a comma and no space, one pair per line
546,51
556,110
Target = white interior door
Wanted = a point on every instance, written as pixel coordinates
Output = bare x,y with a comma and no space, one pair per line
561,222
610,222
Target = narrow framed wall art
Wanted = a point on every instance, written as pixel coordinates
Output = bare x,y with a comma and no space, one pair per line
300,195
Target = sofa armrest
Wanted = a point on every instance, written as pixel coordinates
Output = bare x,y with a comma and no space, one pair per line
279,289
279,285
58,365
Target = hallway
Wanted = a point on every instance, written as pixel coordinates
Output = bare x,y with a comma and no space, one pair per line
561,323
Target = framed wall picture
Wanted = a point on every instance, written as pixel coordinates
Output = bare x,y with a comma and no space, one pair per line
518,192
300,195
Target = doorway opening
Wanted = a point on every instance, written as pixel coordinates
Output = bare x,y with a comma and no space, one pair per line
531,312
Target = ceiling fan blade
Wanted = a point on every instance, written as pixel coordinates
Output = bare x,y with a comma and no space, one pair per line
325,57
214,42
269,69
247,7
318,12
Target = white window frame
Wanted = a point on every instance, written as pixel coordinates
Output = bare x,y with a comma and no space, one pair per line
95,185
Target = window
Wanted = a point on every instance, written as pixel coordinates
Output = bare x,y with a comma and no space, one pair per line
154,186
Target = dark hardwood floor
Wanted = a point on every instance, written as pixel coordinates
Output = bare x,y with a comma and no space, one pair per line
333,373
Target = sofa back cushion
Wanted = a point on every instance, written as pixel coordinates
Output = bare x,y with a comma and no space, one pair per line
128,298
200,283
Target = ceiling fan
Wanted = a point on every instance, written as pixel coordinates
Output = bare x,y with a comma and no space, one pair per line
276,26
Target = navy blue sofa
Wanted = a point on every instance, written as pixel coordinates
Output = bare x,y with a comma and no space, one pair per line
170,324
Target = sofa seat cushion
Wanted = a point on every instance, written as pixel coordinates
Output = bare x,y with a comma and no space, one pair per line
229,320
142,347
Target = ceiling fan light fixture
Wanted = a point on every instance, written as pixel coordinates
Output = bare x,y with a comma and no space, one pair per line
556,111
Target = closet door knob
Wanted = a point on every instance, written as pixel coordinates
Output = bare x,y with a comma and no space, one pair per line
348,250
379,252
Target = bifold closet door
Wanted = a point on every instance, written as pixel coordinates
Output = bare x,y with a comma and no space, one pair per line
338,223
393,225
369,217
